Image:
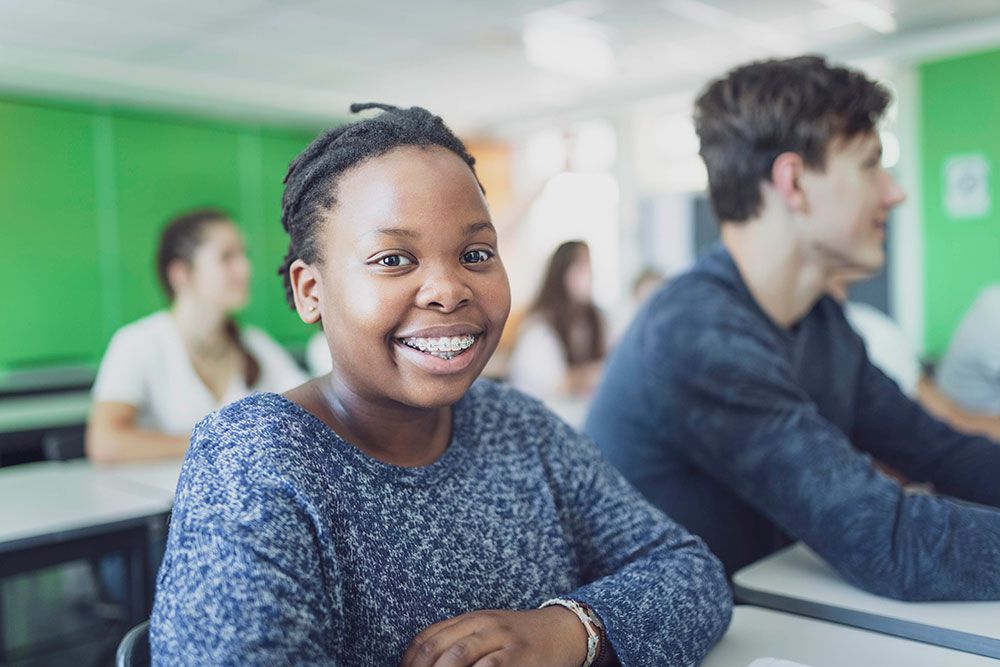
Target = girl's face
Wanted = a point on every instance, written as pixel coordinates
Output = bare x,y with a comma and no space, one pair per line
579,278
411,289
219,272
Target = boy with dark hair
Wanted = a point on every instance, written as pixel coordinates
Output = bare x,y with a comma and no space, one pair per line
741,402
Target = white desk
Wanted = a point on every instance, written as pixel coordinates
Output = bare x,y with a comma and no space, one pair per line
53,513
796,580
759,633
154,479
55,497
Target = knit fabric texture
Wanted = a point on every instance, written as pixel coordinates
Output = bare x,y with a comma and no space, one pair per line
752,435
288,545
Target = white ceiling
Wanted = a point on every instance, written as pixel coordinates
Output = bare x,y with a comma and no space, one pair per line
306,60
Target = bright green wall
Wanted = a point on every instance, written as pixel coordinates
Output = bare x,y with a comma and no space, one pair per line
50,303
960,114
84,192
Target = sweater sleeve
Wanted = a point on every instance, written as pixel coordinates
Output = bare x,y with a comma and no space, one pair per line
243,581
899,432
744,421
662,596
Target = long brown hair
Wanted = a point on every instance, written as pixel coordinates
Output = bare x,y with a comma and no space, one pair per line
555,304
179,240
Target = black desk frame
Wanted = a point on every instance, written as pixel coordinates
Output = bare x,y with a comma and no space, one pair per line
130,537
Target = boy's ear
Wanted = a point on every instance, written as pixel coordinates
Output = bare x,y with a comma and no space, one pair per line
786,175
305,290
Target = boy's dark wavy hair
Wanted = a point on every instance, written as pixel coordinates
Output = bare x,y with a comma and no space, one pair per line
758,111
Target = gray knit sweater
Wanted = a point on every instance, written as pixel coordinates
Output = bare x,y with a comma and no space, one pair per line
290,546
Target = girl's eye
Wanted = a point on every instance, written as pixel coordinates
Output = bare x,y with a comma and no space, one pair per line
477,256
393,261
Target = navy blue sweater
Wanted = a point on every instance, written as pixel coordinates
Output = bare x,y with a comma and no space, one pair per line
751,435
288,545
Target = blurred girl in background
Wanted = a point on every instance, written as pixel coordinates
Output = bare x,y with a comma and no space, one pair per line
561,345
164,372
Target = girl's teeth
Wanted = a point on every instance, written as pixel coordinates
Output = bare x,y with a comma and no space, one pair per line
444,347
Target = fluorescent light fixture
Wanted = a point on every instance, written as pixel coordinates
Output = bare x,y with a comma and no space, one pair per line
866,13
746,30
568,45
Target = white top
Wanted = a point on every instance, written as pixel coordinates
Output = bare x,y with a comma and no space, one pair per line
799,574
147,365
537,365
318,359
970,370
887,345
757,634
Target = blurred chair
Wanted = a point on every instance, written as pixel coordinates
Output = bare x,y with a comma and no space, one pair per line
63,444
133,651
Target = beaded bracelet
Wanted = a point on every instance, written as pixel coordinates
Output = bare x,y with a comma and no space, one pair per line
590,622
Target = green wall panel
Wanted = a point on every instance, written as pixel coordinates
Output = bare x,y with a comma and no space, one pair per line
49,274
960,115
277,151
84,193
162,168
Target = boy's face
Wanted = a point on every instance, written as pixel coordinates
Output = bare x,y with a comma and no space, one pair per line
847,204
410,262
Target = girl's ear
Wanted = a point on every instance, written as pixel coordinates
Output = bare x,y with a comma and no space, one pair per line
305,291
178,274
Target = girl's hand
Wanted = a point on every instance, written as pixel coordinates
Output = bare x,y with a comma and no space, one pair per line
550,637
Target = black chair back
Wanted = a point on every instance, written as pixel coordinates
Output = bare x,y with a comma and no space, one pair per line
133,651
63,444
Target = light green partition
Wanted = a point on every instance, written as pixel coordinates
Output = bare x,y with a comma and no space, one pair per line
162,168
277,151
84,192
50,276
960,117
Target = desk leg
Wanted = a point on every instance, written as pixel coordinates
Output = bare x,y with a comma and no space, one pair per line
139,595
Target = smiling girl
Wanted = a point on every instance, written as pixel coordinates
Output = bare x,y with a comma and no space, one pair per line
394,513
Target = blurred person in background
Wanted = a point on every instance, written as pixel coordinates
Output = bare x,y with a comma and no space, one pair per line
969,373
560,346
164,372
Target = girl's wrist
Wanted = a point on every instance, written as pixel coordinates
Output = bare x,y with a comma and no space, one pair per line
593,631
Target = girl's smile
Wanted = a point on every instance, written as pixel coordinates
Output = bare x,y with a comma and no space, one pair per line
411,289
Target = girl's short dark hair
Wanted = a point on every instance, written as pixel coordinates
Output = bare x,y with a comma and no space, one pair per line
310,184
758,111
